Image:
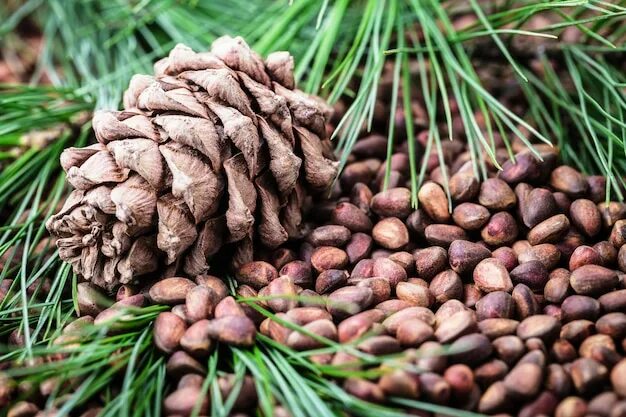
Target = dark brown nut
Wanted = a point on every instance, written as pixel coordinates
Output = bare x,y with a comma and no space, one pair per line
593,279
91,301
618,234
228,307
434,202
361,196
584,255
447,310
611,212
460,378
392,202
494,399
214,283
524,380
602,404
400,383
577,330
418,221
305,315
443,234
281,256
525,301
282,292
569,181
200,303
363,269
621,259
471,349
305,252
328,257
182,401
388,269
464,255
531,273
352,217
405,260
124,292
546,253
506,256
256,274
459,324
569,243
524,168
446,285
470,216
509,348
329,235
392,306
563,351
545,327
298,271
549,231
359,247
536,206
196,340
348,301
356,172
413,332
234,330
490,372
168,330
381,290
330,279
390,233
557,287
494,328
171,290
181,363
500,229
613,325
490,275
586,216
247,396
534,355
618,378
356,326
463,187
275,330
323,328
415,294
563,202
597,187
571,407
587,375
586,347
496,304
613,301
364,390
543,405
434,387
430,261
558,380
27,409
393,321
496,194
471,295
379,345
371,146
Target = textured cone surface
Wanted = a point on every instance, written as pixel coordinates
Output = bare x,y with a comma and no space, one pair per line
216,148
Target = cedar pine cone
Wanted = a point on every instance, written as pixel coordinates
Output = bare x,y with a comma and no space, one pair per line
218,147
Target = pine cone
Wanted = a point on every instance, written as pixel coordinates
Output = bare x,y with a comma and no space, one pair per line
217,148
